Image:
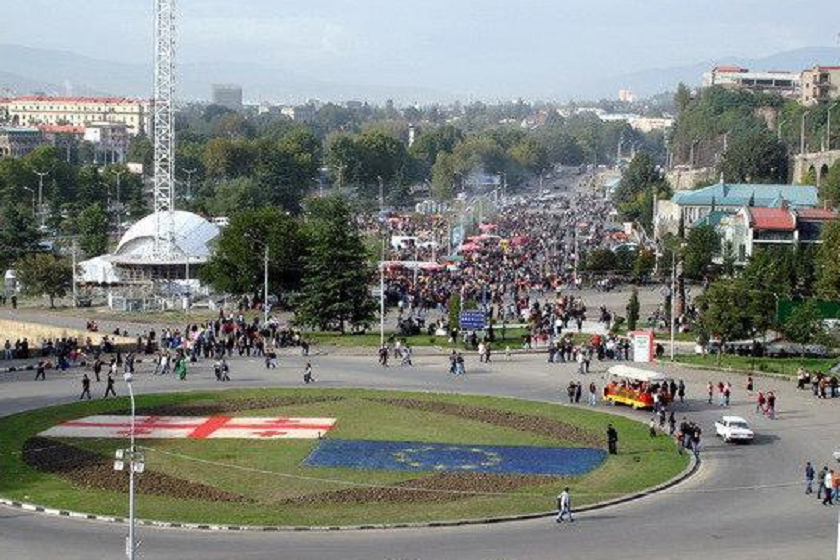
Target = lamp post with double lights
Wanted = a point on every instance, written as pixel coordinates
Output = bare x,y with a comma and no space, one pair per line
135,462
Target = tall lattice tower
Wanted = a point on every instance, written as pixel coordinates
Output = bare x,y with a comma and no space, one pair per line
164,130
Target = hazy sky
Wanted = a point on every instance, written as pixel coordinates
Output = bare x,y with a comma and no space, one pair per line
455,45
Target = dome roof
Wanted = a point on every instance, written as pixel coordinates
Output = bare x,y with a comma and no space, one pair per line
191,235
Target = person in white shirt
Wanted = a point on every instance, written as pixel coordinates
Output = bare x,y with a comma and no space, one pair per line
564,506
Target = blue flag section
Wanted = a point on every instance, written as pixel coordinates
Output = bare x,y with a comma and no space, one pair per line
418,456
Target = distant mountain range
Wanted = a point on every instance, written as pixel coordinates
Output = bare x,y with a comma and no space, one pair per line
27,70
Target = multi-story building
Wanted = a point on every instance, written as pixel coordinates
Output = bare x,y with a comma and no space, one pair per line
781,82
820,83
34,110
228,95
18,141
110,141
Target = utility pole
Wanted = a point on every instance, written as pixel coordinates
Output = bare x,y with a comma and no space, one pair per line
135,461
41,175
118,206
828,125
265,287
673,299
382,266
189,173
73,275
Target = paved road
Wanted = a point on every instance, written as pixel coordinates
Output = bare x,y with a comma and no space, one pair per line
741,504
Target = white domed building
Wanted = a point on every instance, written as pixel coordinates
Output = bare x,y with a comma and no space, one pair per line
136,260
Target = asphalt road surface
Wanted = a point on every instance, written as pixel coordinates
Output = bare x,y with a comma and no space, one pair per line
746,502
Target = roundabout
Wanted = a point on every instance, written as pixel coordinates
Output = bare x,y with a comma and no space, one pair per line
716,513
327,457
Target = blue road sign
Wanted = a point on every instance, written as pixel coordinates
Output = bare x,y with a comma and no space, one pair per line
473,320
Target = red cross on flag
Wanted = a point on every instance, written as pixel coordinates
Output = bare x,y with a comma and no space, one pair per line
193,427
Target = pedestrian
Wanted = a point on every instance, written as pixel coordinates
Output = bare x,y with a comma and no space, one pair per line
225,370
727,392
564,506
820,482
759,403
809,478
771,405
828,492
612,440
749,384
652,426
307,374
711,391
97,368
85,387
593,394
681,391
578,392
672,424
41,371
109,389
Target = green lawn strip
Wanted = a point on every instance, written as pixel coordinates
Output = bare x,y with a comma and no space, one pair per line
783,366
643,462
513,338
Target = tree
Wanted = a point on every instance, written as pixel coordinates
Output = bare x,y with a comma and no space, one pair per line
601,260
640,184
830,187
730,311
827,263
633,310
337,272
804,326
702,244
18,235
644,263
236,195
92,225
755,156
42,274
237,264
682,97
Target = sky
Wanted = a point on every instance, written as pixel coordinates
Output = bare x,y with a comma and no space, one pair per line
464,46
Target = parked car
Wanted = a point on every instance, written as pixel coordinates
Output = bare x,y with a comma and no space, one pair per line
734,428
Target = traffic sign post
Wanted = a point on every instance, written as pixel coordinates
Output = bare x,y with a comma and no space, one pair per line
473,320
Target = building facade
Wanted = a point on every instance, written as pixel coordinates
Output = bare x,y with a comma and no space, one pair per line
228,95
110,141
34,110
781,82
819,84
17,141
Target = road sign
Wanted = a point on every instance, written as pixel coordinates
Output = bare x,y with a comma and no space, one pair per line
473,320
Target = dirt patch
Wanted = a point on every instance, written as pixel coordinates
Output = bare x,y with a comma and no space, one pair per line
231,406
438,488
86,469
540,425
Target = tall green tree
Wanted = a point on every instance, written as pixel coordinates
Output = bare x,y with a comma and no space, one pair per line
633,310
701,246
804,326
42,274
337,270
730,311
92,225
755,156
827,263
641,183
237,265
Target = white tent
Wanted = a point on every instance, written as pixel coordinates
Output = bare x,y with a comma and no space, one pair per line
637,374
97,270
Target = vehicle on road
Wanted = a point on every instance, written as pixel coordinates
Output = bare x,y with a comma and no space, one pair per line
734,429
636,387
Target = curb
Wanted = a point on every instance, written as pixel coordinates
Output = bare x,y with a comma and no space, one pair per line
744,372
689,471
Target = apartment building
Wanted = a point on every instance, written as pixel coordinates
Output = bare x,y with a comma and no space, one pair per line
820,83
34,110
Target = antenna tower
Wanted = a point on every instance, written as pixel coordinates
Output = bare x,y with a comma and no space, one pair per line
164,131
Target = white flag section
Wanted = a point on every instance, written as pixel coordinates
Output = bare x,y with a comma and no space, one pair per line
193,427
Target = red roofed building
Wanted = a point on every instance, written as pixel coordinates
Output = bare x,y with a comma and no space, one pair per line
752,228
36,110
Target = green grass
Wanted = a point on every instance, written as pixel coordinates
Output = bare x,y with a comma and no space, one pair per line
513,338
642,463
784,366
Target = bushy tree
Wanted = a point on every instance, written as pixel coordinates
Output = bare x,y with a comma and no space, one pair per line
828,263
237,264
633,310
92,225
18,234
730,311
640,184
804,326
755,156
42,274
702,244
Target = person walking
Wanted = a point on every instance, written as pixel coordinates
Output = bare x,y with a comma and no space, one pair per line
828,493
672,423
41,371
750,385
564,506
820,482
85,387
809,478
711,390
612,440
97,368
771,405
225,370
109,390
307,374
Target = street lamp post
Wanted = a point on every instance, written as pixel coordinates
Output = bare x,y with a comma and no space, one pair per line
828,125
41,175
118,206
265,274
135,461
802,133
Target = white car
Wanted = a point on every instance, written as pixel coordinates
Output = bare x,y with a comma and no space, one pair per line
734,428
